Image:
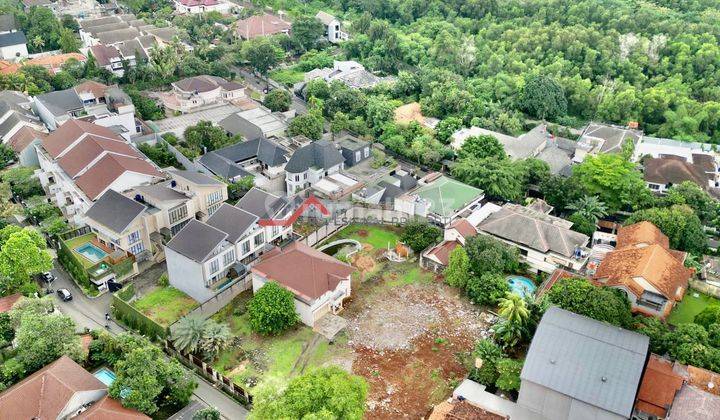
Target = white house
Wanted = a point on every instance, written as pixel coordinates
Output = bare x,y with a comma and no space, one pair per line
197,91
333,33
201,6
311,163
203,258
13,45
319,282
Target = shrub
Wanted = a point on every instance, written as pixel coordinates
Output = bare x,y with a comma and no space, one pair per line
487,289
277,100
420,235
272,310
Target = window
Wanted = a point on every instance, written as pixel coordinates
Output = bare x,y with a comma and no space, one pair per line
305,175
358,156
178,213
367,151
215,265
654,186
259,239
229,258
133,237
137,248
175,229
297,178
213,208
214,198
245,247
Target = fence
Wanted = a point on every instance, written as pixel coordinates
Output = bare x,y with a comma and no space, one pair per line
706,288
211,306
123,311
218,379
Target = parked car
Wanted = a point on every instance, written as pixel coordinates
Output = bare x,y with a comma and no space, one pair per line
47,277
64,294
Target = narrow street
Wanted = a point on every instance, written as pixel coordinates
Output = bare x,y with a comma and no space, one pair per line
90,313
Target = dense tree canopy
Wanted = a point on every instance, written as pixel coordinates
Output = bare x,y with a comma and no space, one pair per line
679,223
272,310
604,304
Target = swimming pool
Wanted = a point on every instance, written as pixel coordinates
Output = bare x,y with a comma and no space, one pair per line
105,376
521,285
91,252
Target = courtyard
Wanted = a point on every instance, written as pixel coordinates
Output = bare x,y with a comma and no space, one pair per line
692,304
409,335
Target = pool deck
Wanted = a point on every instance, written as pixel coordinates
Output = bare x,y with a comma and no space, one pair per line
79,241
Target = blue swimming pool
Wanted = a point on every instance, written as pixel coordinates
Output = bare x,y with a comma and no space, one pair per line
91,252
105,376
521,285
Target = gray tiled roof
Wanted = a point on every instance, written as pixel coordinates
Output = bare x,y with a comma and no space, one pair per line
590,361
12,38
12,120
232,220
195,177
222,162
197,240
318,154
60,102
221,166
8,23
115,211
161,193
262,204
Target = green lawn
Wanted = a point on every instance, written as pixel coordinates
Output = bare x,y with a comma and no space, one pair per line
407,273
685,311
165,305
375,236
288,76
78,241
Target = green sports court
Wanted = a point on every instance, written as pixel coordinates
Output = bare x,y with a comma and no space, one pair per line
447,196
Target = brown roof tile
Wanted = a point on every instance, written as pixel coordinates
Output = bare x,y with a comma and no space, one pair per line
305,271
24,137
109,168
658,387
110,409
89,149
464,228
7,302
641,233
96,88
442,251
261,25
45,393
68,133
54,62
674,171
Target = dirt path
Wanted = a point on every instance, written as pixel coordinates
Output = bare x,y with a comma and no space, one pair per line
302,361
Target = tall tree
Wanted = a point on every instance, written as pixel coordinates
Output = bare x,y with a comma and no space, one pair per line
543,97
306,31
614,180
22,255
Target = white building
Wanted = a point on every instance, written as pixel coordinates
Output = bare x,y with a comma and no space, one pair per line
311,163
13,45
194,92
319,282
192,7
333,31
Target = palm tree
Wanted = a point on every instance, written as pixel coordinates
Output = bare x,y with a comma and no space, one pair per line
589,207
508,334
215,338
187,333
512,308
38,42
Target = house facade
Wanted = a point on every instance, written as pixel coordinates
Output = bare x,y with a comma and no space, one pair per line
311,163
319,282
198,91
204,257
191,7
333,31
13,45
437,257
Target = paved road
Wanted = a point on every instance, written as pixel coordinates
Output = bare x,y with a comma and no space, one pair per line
177,125
90,313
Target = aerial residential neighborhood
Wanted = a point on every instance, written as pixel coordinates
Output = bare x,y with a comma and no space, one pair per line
443,210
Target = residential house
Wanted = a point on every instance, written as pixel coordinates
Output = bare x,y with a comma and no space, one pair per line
603,138
80,161
103,105
661,173
439,199
333,31
255,123
350,73
699,396
54,63
261,25
526,146
194,92
405,114
577,368
8,23
437,257
311,163
652,275
205,257
353,149
61,390
247,158
386,189
13,45
659,147
191,7
319,281
658,389
545,242
23,143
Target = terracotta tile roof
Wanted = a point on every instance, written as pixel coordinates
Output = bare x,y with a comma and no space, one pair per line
261,25
7,302
464,228
45,393
653,263
54,62
303,270
658,387
702,378
6,67
90,148
639,233
23,138
110,409
558,274
96,88
442,251
109,168
71,131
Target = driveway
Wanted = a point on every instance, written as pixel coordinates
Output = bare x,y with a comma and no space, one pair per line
177,125
90,313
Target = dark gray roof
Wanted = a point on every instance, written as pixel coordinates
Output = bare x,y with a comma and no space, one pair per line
318,154
161,193
132,48
391,191
223,162
12,38
115,211
237,125
196,240
407,182
14,97
587,360
262,204
232,220
351,143
12,120
7,23
60,102
222,167
195,177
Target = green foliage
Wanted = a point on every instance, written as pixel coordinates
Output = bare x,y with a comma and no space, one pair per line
237,189
23,182
272,310
582,224
490,354
306,31
708,316
23,254
68,42
73,267
42,29
543,97
560,192
655,329
262,54
445,128
614,180
39,209
489,255
206,414
206,135
603,304
309,125
135,319
7,156
314,59
509,374
161,155
486,289
482,147
499,178
458,268
420,235
679,223
690,194
327,392
146,107
277,100
194,334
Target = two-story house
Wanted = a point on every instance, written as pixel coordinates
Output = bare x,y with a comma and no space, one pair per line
311,163
198,91
205,257
642,265
247,158
333,31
